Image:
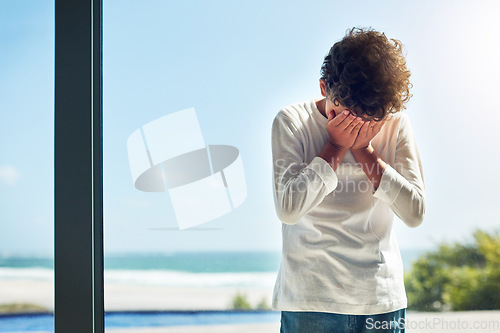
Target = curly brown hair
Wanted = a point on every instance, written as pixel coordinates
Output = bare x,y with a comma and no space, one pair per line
367,73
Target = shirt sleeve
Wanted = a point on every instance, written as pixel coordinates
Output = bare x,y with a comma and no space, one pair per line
298,186
402,183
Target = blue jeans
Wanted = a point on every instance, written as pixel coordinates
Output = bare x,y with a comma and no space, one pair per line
322,322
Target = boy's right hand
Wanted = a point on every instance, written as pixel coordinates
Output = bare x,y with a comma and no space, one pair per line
343,129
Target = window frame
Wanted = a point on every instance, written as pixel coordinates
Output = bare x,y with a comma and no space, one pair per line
78,186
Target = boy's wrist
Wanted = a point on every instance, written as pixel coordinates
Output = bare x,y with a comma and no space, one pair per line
337,146
365,149
333,154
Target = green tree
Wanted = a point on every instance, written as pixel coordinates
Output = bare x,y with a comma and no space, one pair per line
263,305
240,302
457,277
477,287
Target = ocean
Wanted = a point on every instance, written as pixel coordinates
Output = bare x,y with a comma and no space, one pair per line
237,270
173,269
206,269
185,269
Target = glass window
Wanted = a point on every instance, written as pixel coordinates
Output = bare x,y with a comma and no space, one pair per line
187,110
26,163
191,89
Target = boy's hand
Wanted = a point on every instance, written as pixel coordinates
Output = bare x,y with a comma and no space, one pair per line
343,129
367,133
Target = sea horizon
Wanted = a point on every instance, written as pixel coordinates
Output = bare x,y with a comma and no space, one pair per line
210,269
198,262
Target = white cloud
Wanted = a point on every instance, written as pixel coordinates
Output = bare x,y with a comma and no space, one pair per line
9,174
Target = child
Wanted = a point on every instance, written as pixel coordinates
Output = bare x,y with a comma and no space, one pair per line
343,166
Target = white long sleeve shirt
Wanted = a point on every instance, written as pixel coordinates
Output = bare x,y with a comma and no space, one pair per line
340,254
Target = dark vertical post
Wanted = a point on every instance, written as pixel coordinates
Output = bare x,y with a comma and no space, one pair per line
98,218
79,296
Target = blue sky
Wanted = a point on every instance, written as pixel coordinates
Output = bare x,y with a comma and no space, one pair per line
237,64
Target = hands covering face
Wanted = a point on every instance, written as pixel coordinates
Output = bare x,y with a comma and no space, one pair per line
351,132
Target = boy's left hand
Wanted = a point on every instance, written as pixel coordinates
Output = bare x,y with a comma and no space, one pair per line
367,133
